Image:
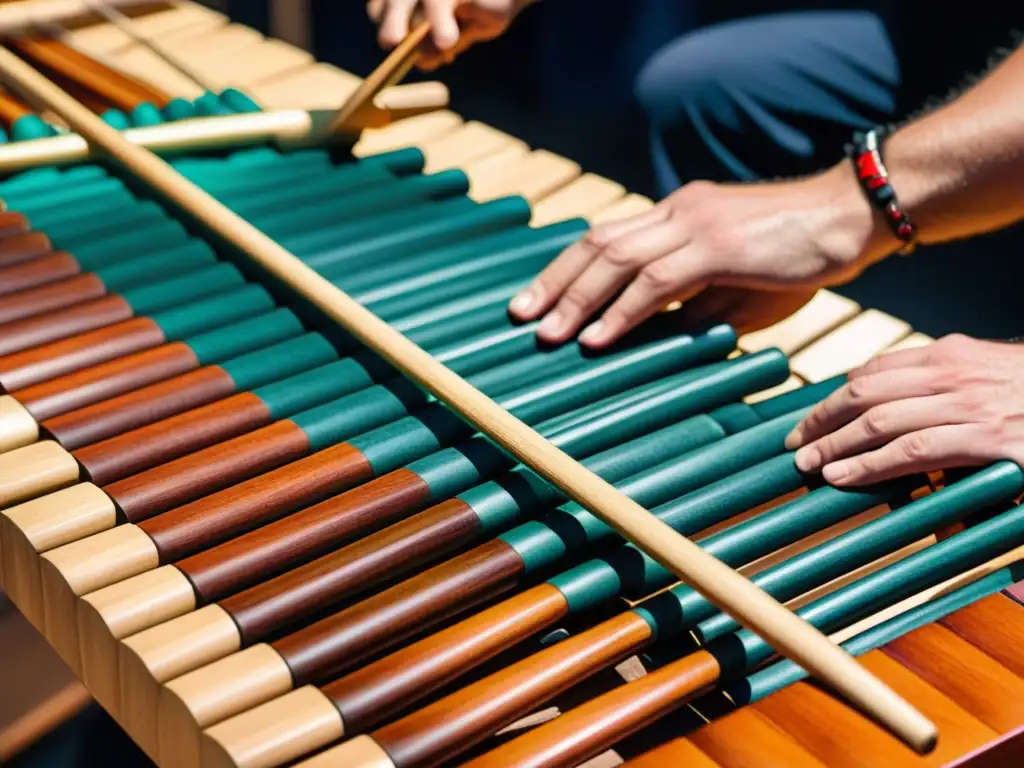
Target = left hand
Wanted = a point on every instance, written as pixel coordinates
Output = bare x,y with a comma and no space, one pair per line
958,402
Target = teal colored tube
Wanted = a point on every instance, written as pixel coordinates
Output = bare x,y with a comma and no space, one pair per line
785,673
883,588
209,105
184,289
280,361
116,119
146,114
132,272
28,127
251,334
213,312
118,250
235,101
178,109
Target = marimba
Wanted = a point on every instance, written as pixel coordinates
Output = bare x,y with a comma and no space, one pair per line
258,544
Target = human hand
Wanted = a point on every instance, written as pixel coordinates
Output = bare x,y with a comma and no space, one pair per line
455,25
787,237
958,402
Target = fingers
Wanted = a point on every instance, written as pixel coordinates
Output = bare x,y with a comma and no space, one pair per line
443,27
904,358
679,275
860,395
630,257
875,427
552,282
394,25
927,450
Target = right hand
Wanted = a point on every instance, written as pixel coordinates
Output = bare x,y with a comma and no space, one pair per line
455,25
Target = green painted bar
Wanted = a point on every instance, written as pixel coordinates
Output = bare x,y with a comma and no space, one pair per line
872,593
313,388
250,334
873,540
122,252
236,101
294,356
408,312
147,299
811,394
397,235
784,673
126,274
221,309
146,114
116,119
444,271
28,127
178,109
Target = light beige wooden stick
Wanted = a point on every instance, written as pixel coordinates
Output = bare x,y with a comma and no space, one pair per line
720,584
110,13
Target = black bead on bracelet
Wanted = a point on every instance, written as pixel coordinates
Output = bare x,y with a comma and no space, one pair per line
866,154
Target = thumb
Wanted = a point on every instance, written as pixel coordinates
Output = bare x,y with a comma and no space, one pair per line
444,28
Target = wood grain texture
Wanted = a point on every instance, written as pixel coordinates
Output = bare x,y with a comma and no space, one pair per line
206,522
20,247
762,744
680,752
154,444
995,626
49,297
17,427
980,685
333,645
32,366
351,570
61,324
241,562
32,272
800,710
139,408
13,223
598,724
182,480
378,690
92,385
723,586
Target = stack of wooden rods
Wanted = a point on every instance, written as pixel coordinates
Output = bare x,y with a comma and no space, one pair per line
795,548
88,503
585,730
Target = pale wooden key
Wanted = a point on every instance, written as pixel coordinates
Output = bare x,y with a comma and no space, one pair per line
849,346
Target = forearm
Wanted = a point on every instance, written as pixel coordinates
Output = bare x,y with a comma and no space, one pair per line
959,170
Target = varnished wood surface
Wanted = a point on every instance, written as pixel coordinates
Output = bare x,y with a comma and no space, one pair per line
20,247
30,273
982,686
368,695
995,626
154,444
164,487
93,385
32,366
802,708
596,725
333,645
352,569
762,745
208,521
240,562
49,297
140,407
12,223
682,752
81,318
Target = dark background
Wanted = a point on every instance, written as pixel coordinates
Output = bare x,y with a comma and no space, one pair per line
561,79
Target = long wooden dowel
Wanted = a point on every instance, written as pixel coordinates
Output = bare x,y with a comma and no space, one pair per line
717,582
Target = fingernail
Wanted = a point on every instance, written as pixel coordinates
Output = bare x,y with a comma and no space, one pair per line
551,325
592,333
794,439
835,473
808,459
522,302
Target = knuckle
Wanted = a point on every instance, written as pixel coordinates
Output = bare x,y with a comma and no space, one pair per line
876,422
858,390
616,255
917,446
597,238
659,276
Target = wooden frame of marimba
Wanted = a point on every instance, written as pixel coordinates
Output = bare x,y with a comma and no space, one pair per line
830,335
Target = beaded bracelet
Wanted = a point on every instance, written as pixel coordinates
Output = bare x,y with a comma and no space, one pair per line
866,153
